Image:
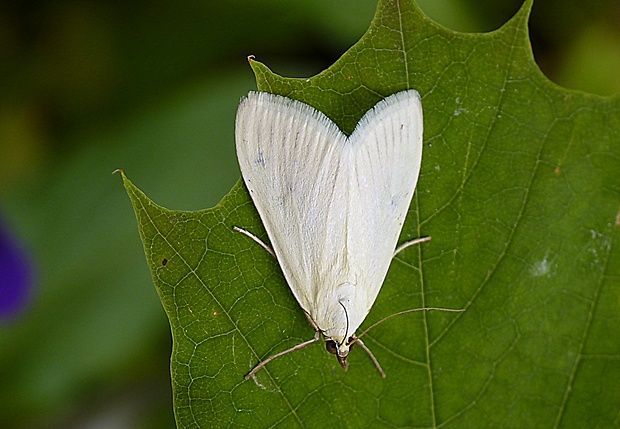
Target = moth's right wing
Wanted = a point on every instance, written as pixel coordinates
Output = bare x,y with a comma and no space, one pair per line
289,154
385,155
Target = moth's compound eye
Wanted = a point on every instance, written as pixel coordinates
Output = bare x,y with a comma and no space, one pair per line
331,347
351,342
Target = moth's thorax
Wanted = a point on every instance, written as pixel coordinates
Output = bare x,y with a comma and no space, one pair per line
340,311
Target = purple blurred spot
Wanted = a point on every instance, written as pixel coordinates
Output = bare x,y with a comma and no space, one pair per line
15,276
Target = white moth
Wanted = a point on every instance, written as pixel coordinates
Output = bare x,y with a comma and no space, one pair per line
333,206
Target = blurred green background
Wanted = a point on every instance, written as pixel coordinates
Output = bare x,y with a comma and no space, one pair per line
152,87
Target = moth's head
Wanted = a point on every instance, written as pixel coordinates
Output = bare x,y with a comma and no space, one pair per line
341,350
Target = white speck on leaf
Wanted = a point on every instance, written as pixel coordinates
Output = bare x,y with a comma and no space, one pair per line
541,268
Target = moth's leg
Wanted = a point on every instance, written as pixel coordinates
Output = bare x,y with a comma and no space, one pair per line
255,238
300,346
409,244
372,357
312,322
317,336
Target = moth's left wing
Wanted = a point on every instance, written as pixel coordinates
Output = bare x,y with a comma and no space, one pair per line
290,158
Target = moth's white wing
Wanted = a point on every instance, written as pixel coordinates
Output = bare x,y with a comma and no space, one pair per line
289,154
333,207
384,153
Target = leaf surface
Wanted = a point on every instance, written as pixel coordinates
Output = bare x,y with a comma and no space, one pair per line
520,191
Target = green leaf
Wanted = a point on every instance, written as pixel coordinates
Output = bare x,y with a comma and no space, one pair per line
520,191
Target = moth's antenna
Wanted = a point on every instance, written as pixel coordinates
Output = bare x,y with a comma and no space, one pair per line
455,310
346,333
